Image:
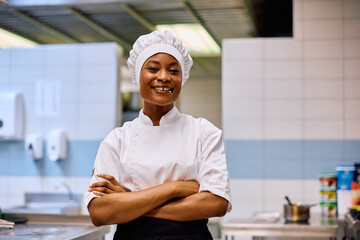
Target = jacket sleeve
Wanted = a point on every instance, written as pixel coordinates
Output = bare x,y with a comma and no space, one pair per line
213,174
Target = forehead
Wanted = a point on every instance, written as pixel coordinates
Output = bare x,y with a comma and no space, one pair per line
162,58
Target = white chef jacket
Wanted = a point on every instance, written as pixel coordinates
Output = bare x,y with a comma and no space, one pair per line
140,155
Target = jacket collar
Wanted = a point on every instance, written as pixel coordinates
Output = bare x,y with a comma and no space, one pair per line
168,118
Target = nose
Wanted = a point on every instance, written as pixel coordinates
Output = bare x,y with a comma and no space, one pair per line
163,76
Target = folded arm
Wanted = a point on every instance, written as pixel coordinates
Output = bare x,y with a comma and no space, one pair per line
194,207
122,206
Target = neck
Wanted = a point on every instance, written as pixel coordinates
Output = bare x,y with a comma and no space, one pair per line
155,112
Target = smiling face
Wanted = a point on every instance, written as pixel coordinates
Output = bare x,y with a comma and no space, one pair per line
160,81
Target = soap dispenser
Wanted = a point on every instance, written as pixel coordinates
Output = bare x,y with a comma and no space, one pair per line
56,144
34,146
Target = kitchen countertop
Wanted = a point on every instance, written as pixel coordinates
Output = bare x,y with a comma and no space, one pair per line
51,226
316,227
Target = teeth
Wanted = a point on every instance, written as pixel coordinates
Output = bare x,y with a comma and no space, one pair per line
162,88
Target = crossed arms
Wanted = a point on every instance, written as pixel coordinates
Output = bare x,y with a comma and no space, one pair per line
175,200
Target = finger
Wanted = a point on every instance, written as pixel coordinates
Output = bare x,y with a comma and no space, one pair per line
110,178
99,194
103,190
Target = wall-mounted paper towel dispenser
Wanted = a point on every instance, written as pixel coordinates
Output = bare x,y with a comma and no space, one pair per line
11,115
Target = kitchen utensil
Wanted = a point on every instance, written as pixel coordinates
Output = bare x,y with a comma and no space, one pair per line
288,200
296,213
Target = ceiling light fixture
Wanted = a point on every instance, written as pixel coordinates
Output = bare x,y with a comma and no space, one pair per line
194,37
8,39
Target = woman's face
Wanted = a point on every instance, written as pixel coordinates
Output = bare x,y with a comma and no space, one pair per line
160,80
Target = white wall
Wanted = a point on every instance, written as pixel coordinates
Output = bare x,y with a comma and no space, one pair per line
293,89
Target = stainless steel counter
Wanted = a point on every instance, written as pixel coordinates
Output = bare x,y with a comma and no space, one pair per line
316,227
51,226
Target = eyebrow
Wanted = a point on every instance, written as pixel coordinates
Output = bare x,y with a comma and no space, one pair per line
157,62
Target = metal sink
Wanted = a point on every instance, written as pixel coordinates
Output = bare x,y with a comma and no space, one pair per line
48,203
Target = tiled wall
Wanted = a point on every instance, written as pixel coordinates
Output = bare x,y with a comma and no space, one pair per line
202,98
88,77
291,106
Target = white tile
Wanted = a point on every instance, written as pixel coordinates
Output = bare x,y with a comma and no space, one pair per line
68,111
95,130
352,28
240,49
322,29
322,9
70,127
276,190
33,126
274,206
27,57
249,69
323,89
26,74
298,29
26,88
244,89
97,92
352,69
352,129
5,57
4,74
311,189
324,129
243,209
4,180
4,86
106,73
283,129
351,9
323,109
62,54
247,189
283,110
69,92
21,184
323,49
283,69
291,89
352,109
243,109
323,69
352,89
98,53
243,129
65,74
96,111
352,48
297,9
282,48
15,200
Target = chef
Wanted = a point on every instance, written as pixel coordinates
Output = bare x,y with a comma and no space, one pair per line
162,175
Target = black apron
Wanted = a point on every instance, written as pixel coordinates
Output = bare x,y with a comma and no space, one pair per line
145,228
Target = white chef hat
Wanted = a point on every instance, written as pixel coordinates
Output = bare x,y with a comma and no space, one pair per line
158,42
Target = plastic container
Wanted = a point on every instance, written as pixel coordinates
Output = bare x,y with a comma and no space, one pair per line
345,176
328,209
328,180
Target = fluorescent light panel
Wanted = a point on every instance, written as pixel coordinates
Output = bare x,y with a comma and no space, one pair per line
194,37
8,39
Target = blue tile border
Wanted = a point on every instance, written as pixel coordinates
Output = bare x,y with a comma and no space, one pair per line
288,159
79,161
249,159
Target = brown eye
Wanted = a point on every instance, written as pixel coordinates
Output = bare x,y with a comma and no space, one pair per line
152,69
174,71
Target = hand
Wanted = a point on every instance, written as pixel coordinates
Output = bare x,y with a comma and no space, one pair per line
106,187
186,188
